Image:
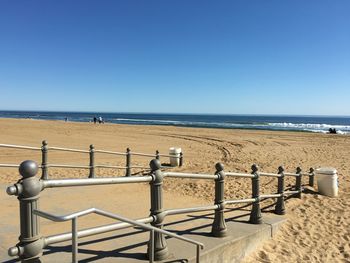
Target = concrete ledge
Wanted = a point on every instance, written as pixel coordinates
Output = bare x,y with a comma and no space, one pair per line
130,245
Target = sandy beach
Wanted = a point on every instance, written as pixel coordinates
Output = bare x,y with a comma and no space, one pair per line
318,227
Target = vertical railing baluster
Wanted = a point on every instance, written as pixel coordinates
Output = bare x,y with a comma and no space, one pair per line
74,240
92,161
255,215
44,166
219,228
128,162
298,182
30,246
280,209
151,248
156,190
198,253
181,159
311,177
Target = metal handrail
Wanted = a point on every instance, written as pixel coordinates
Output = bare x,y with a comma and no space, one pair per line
68,166
143,154
168,155
67,149
270,174
7,165
75,215
239,174
20,147
109,152
291,174
190,175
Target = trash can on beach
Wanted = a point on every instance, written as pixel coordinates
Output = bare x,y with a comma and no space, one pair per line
327,181
175,156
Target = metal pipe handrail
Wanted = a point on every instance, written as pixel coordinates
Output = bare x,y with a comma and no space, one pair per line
94,181
67,166
270,196
291,174
92,231
142,154
7,165
139,167
168,155
109,152
291,192
190,175
67,149
248,200
307,174
109,166
20,147
74,217
190,210
239,174
270,174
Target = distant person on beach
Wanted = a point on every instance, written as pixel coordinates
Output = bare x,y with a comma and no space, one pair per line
66,119
100,120
95,120
332,131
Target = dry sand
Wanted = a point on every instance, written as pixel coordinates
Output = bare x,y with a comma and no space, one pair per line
318,227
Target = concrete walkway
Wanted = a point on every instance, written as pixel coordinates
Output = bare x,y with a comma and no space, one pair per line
130,245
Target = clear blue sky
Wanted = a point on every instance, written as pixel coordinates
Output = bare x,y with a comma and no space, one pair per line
232,57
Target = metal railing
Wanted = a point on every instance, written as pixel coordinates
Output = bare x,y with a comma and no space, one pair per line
45,165
28,190
74,218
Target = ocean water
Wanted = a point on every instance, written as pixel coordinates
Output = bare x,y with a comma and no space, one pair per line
320,124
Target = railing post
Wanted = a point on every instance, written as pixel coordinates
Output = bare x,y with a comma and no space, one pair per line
92,161
157,155
219,228
298,182
311,177
44,167
181,159
280,209
255,215
128,162
160,246
30,246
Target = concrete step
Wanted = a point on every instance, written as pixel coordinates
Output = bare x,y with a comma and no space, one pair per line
130,245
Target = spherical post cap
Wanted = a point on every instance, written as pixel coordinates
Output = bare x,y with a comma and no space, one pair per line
13,251
219,167
28,168
312,170
44,142
92,146
281,169
298,169
11,190
255,168
155,164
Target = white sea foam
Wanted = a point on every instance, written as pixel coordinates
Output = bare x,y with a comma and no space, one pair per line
313,127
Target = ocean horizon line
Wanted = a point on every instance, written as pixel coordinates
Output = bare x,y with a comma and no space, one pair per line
181,113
